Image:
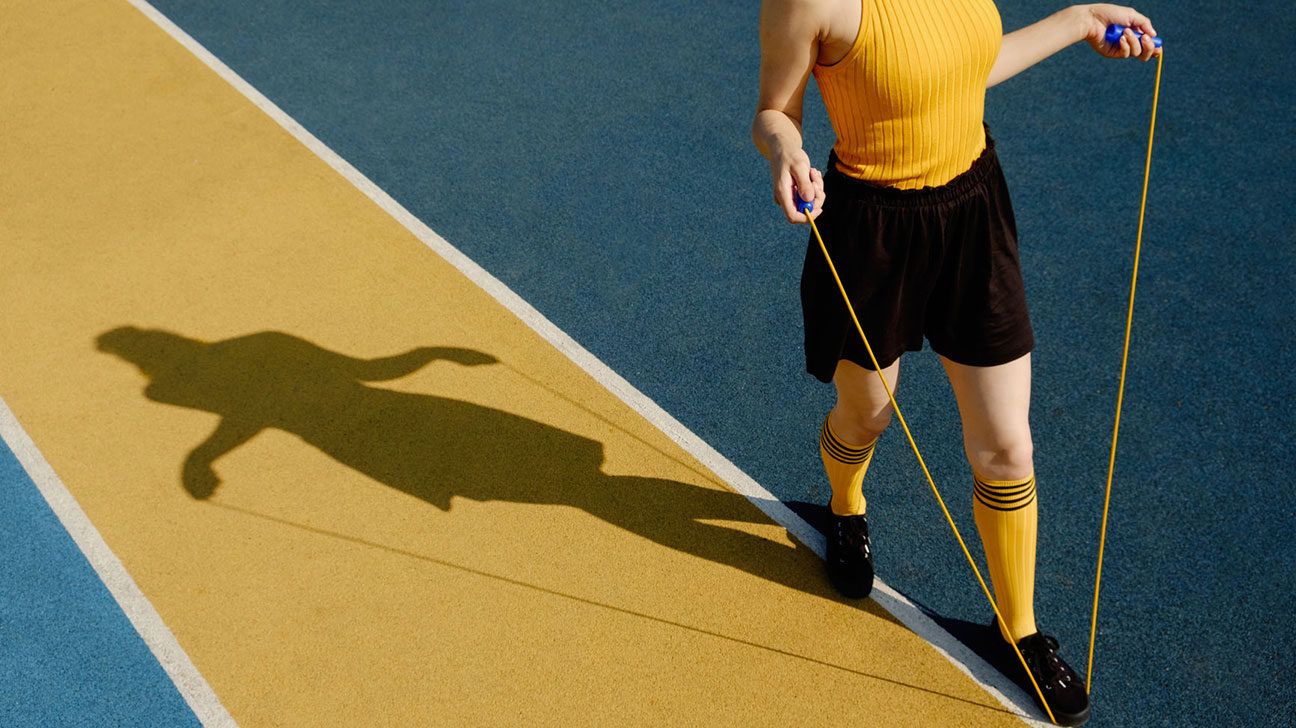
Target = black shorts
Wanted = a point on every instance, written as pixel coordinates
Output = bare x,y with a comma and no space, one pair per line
939,262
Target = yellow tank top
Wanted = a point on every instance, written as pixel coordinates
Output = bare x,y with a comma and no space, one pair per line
907,100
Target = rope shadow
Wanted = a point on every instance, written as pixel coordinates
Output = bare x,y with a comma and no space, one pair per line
604,605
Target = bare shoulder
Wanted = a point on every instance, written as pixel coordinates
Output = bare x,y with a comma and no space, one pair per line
794,36
831,25
796,17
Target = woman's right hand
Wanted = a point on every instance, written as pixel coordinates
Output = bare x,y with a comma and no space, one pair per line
1097,17
794,179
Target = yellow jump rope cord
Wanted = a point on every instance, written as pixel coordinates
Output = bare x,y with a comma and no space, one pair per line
1120,391
921,462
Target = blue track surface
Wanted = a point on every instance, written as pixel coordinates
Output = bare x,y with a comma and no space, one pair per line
69,655
595,156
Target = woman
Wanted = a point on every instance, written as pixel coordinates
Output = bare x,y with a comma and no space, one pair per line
916,214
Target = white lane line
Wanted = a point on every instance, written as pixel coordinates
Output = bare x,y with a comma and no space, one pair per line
1004,690
193,688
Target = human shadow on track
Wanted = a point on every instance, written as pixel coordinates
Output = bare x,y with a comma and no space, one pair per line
436,448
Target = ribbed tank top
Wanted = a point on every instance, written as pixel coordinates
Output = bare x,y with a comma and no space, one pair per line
907,100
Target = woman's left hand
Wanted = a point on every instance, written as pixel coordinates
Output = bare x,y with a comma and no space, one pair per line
1095,19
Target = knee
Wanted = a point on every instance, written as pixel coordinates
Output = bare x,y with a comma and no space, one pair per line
860,426
1003,461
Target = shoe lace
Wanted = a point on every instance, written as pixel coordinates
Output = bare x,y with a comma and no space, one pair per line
1041,653
852,532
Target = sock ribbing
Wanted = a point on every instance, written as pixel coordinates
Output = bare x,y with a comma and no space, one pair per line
1007,514
845,465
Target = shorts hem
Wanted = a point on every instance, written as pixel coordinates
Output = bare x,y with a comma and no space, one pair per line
883,362
986,359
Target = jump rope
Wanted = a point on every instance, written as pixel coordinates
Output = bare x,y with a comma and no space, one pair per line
1112,37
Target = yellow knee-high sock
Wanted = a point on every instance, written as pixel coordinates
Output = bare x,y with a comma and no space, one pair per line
845,465
1006,513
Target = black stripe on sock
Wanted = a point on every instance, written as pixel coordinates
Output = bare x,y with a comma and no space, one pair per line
1010,503
845,448
1013,508
839,450
1020,498
855,458
1008,490
840,453
1004,496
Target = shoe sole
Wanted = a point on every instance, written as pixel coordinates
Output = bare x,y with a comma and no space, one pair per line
851,588
1077,719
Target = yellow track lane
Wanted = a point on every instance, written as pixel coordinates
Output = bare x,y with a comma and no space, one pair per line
473,532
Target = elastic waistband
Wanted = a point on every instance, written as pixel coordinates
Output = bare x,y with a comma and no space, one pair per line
955,190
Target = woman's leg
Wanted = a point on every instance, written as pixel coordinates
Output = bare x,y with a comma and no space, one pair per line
994,403
846,443
851,429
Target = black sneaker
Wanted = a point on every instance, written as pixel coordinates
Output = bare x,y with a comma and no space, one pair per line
849,558
1062,687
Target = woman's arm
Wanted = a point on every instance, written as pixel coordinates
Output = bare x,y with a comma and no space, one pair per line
1023,48
789,32
394,367
198,476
